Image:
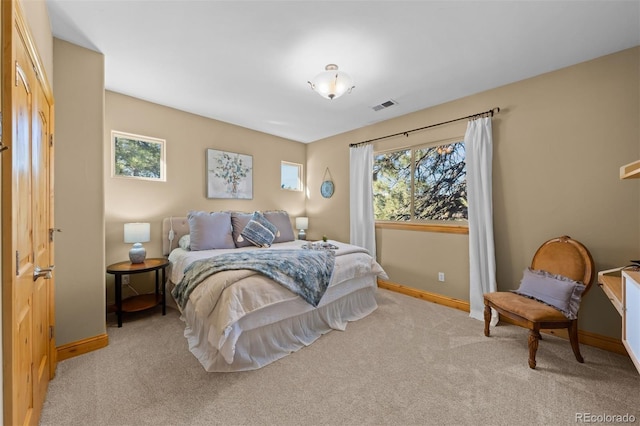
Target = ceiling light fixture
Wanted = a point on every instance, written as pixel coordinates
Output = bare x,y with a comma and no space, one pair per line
332,83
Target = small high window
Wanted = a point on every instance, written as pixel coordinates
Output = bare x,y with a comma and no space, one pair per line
138,157
291,176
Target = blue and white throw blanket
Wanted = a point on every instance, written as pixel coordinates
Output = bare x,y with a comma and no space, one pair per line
307,273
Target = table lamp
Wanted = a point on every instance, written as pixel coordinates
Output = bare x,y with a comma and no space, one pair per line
137,233
302,223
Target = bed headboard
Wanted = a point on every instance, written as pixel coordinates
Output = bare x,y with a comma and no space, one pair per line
180,226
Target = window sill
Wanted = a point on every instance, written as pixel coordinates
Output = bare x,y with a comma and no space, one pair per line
424,227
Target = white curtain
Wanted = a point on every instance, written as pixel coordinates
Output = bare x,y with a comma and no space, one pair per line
478,143
362,222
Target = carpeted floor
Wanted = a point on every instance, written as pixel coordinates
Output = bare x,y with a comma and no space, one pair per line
411,362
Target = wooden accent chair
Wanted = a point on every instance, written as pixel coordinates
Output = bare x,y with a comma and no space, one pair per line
561,256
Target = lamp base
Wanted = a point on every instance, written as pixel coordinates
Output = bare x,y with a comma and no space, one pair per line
302,235
137,254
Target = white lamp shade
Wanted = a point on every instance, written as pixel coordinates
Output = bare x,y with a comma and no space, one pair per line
137,232
332,83
302,223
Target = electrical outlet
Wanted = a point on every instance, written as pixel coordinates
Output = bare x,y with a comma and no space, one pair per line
125,279
441,276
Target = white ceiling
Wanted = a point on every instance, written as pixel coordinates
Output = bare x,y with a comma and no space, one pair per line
248,62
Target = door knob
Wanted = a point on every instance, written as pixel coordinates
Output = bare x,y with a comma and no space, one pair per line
42,272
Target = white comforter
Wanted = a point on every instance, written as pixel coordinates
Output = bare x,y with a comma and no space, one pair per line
215,306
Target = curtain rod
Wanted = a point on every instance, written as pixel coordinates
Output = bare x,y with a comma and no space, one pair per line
490,112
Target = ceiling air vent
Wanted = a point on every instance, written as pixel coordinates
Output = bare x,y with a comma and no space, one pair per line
384,105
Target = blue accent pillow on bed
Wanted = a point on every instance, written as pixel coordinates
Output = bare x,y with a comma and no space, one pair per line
259,231
557,291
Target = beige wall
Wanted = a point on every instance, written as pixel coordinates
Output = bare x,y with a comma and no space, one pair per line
187,136
559,141
79,193
558,144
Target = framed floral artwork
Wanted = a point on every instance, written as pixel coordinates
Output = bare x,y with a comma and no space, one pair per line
229,175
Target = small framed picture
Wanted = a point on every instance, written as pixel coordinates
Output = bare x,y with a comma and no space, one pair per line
229,175
137,157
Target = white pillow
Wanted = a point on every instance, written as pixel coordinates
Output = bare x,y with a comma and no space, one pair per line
185,242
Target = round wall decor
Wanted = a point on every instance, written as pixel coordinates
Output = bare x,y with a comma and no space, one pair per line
327,187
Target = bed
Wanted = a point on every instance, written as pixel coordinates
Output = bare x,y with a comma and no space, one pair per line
240,319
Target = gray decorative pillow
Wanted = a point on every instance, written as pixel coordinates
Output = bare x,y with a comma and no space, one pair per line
281,220
238,221
185,242
259,231
210,230
557,291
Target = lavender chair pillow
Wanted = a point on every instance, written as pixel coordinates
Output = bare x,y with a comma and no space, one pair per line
557,291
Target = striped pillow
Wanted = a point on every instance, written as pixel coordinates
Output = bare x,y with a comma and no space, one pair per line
259,231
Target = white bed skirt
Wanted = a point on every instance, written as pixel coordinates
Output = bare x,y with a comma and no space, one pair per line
254,342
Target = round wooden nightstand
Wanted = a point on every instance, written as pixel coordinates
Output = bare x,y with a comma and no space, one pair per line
143,301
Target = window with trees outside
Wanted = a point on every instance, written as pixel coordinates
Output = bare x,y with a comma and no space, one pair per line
421,184
139,157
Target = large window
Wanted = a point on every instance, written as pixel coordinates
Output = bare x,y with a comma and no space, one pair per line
423,184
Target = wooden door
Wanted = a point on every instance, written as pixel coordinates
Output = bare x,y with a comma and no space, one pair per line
26,219
22,317
43,285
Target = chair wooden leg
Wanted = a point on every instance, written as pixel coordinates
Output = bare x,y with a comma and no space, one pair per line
573,338
534,337
487,319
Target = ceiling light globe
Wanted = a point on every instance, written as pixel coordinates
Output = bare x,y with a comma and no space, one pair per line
332,83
